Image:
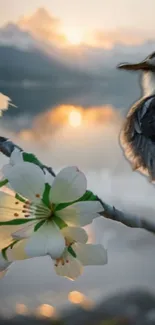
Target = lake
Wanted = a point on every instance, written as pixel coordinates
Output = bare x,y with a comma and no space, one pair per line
41,124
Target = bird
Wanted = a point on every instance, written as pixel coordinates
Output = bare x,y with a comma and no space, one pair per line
137,136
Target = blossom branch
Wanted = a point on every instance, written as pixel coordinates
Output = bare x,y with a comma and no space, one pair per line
110,212
129,220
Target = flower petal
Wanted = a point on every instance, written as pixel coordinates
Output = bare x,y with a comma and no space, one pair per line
75,233
69,185
48,240
5,235
90,254
6,169
4,265
49,178
28,180
17,252
2,273
24,232
69,267
80,213
10,207
16,157
13,207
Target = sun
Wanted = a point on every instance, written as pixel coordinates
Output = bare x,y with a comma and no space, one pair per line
73,37
75,118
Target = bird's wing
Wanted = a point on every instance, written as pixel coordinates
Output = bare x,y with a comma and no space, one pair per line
147,121
138,136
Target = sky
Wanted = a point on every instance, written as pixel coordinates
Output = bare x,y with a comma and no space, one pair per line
93,146
93,22
88,14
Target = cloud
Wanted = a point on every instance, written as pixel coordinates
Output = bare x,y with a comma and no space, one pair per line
47,27
43,25
108,38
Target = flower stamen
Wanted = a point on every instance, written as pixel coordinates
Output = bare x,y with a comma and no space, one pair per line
60,261
69,242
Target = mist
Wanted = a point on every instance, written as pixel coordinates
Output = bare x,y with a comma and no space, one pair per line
94,148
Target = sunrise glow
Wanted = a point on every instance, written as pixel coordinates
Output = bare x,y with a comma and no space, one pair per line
21,309
76,297
45,311
75,118
73,37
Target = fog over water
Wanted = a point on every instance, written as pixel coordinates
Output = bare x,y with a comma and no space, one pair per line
93,147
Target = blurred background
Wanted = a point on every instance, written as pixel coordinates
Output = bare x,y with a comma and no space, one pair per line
58,65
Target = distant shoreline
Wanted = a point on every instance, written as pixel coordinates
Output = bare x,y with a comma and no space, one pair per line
35,84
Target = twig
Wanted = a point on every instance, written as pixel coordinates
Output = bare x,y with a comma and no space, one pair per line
110,212
129,220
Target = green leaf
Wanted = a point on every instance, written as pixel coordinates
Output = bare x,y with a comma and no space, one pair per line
88,196
20,198
38,225
2,183
15,222
30,157
13,243
71,251
59,222
62,206
45,198
4,250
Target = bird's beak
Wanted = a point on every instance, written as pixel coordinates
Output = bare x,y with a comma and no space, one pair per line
134,66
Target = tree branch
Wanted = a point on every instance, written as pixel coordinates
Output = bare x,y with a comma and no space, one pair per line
110,212
129,220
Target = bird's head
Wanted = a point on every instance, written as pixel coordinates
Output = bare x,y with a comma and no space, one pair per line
146,65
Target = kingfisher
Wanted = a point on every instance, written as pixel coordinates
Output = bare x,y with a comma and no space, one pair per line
137,137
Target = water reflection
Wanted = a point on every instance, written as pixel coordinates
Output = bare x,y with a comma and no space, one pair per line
32,100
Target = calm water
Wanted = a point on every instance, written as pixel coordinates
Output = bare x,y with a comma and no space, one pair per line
131,252
119,90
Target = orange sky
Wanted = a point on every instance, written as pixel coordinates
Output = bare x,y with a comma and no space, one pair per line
94,21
